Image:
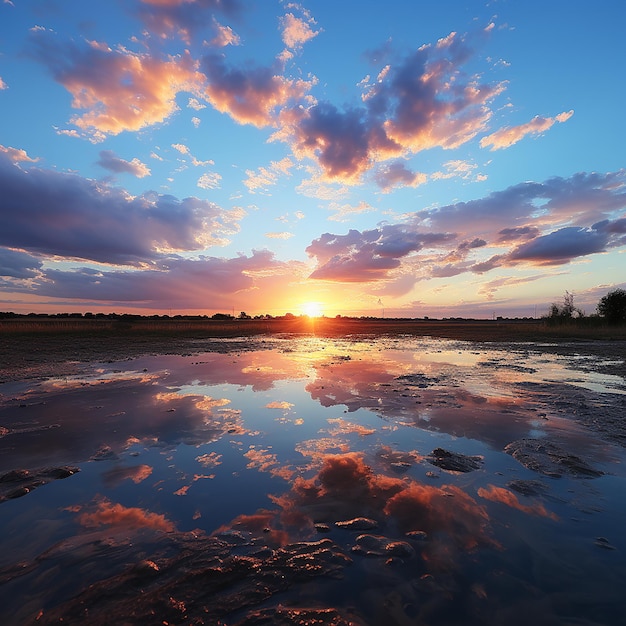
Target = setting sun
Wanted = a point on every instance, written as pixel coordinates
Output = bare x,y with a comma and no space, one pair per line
312,309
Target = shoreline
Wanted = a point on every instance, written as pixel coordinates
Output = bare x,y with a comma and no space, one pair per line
37,349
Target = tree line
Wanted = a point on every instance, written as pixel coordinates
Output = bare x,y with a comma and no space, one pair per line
611,307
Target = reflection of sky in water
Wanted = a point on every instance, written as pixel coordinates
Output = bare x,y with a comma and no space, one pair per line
314,431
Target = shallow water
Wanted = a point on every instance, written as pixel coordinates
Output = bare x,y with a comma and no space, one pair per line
196,479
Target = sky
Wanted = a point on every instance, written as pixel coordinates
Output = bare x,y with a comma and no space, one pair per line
406,159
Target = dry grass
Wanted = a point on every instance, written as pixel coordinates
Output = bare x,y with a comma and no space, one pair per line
472,330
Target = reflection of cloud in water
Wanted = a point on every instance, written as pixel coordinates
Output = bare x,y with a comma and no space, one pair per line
278,405
504,496
344,427
211,459
111,414
108,513
345,487
117,475
265,461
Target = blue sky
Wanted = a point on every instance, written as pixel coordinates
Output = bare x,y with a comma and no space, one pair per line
197,156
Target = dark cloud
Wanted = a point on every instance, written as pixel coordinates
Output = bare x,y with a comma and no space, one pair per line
397,175
522,232
561,246
110,161
17,264
60,214
251,95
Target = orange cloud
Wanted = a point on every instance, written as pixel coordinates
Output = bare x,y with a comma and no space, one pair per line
111,514
119,90
116,475
506,137
504,496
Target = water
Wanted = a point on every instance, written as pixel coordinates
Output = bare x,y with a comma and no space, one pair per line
198,476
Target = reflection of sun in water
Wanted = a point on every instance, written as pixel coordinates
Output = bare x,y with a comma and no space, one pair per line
312,309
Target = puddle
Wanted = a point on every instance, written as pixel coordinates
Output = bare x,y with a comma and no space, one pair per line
380,481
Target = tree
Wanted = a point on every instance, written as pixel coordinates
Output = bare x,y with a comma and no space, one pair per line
566,311
613,306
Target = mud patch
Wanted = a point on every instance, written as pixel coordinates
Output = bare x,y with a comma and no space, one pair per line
19,482
546,457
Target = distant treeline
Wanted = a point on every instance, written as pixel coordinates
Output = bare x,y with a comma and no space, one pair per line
221,317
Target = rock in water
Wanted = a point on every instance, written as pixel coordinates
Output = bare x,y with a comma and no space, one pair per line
454,461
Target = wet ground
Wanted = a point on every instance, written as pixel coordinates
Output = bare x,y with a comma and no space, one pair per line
318,481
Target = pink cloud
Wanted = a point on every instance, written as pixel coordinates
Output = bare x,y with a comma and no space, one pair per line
296,31
224,36
17,155
506,137
189,283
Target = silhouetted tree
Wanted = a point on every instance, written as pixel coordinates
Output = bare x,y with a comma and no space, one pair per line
566,311
613,306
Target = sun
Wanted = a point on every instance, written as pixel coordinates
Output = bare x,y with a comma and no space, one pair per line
312,309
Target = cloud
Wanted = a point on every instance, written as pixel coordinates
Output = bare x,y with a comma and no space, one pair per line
458,169
422,102
47,212
183,149
113,514
529,223
504,496
368,255
297,31
506,137
561,246
397,175
17,155
18,264
251,95
224,36
118,89
209,180
188,283
110,161
265,177
185,18
344,212
282,235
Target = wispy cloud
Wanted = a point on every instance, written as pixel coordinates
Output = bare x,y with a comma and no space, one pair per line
506,137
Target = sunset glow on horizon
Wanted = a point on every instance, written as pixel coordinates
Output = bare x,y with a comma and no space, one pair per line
459,159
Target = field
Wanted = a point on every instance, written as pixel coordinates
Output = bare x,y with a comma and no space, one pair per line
39,347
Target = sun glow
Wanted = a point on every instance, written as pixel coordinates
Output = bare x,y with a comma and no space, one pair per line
312,309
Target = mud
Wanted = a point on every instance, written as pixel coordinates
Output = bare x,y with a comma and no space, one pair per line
18,483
